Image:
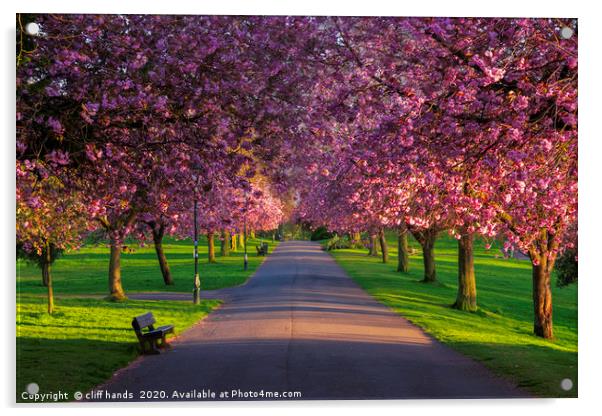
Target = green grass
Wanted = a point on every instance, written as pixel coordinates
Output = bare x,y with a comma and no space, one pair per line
500,333
85,271
86,339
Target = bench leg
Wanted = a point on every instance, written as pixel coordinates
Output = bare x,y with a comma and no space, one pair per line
152,347
164,343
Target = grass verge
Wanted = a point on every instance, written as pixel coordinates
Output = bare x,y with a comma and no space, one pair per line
86,340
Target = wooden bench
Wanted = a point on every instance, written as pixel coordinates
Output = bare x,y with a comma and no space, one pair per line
262,249
148,335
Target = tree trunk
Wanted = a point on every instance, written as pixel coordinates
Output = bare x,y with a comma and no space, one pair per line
466,299
373,249
430,272
356,240
234,240
383,246
50,295
48,276
211,247
427,242
252,234
45,273
115,288
542,298
225,244
158,240
241,240
403,261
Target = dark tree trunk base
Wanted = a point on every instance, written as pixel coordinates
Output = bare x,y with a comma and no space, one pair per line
466,304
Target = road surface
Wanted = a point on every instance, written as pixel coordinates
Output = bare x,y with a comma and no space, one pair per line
302,325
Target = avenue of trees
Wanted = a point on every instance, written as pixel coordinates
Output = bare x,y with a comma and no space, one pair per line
421,125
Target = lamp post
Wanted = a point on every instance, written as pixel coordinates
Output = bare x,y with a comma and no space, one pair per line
196,292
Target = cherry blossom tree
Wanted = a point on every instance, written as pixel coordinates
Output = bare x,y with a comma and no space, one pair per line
50,217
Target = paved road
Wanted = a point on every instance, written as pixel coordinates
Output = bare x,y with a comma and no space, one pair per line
301,324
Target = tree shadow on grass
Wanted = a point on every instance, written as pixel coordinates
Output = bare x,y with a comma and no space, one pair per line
68,365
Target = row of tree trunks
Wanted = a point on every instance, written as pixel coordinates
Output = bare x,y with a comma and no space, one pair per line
403,258
466,298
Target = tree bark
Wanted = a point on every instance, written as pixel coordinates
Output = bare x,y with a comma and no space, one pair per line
115,288
542,297
426,239
211,244
383,246
46,268
158,240
466,299
45,273
50,295
373,249
234,240
225,244
403,260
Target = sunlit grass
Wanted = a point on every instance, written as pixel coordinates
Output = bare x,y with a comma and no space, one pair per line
86,339
500,333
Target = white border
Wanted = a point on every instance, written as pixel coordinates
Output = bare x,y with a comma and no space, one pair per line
590,160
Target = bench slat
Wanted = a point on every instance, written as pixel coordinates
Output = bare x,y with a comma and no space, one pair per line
165,328
145,320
